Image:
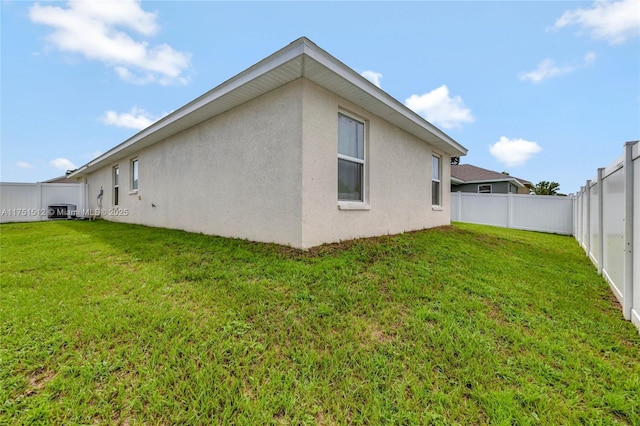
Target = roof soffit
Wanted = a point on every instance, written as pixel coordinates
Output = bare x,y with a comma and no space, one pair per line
302,58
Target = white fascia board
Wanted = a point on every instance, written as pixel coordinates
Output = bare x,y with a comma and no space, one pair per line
342,70
271,62
268,64
299,47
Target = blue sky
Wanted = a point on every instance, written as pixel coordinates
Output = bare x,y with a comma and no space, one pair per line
543,90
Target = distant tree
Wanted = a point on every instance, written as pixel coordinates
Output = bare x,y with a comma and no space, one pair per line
547,188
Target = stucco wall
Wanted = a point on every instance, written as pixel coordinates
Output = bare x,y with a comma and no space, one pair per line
267,171
398,173
237,175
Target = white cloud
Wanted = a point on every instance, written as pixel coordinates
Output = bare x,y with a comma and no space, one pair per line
62,164
372,76
441,109
126,75
137,119
547,69
589,58
96,30
514,152
615,22
24,165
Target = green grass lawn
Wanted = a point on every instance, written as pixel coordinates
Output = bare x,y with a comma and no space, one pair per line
106,323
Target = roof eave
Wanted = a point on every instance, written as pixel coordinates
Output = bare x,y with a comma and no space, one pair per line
339,68
187,116
269,63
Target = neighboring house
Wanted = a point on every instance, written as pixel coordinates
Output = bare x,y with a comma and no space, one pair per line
298,149
468,178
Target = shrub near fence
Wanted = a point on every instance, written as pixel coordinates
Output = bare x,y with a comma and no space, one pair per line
607,226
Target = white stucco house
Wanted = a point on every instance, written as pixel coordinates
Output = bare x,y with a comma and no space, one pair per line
298,149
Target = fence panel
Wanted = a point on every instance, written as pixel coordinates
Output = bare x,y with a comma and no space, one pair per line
485,209
584,210
604,217
542,213
527,212
611,225
577,217
594,233
614,244
635,298
17,196
28,202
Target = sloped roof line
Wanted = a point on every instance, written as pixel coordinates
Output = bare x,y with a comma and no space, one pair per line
301,58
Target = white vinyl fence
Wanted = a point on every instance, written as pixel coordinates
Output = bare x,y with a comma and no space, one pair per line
541,213
30,202
607,226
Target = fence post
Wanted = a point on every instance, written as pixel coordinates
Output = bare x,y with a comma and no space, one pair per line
628,230
600,220
588,225
576,216
581,216
509,210
579,213
584,220
39,189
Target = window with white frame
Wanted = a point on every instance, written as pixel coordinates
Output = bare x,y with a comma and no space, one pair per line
351,159
116,185
134,174
436,172
485,189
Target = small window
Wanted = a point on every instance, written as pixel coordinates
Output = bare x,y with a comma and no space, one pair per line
116,185
485,189
134,174
435,181
351,163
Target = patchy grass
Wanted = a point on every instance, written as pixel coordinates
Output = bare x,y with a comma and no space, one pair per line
121,324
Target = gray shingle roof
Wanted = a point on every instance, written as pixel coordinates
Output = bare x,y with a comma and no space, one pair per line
470,173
